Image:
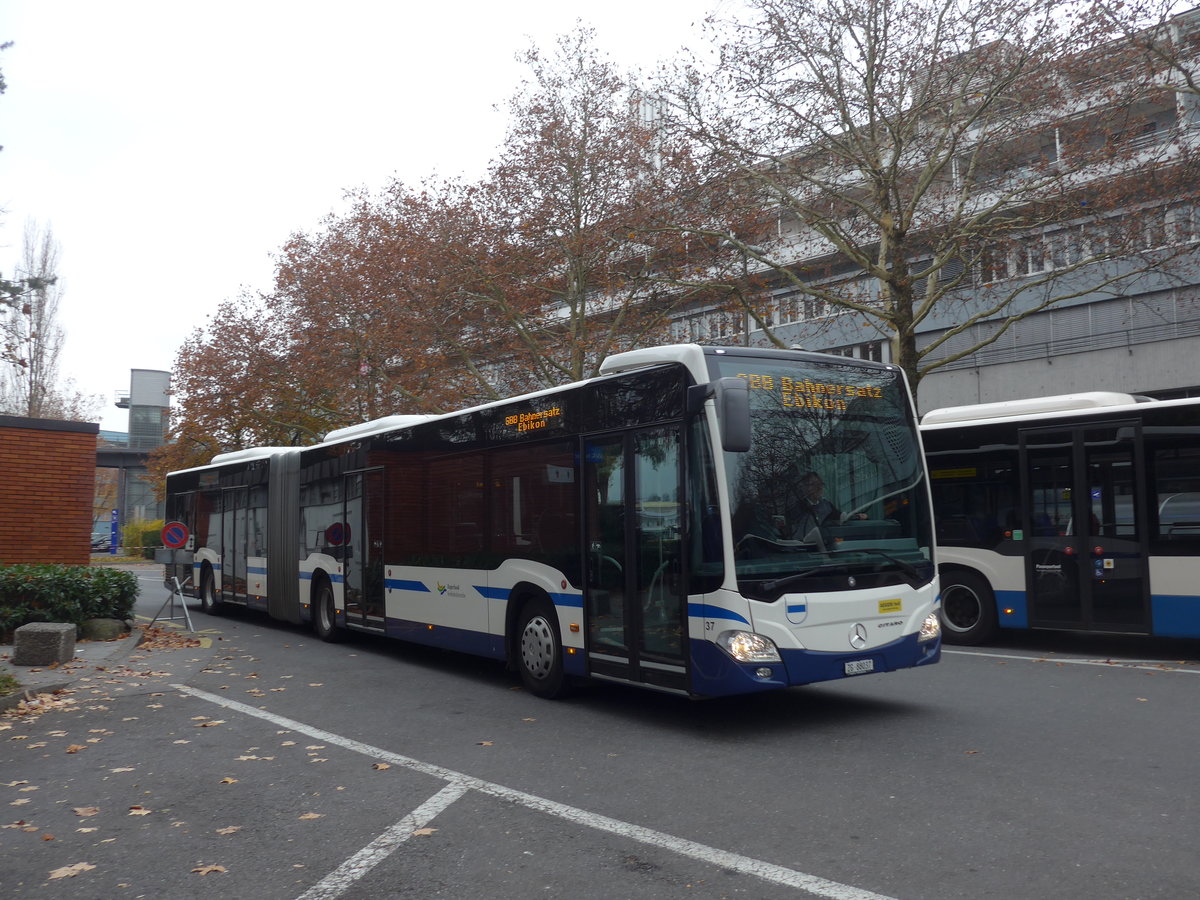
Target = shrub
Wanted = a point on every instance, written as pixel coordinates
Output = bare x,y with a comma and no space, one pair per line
46,593
141,538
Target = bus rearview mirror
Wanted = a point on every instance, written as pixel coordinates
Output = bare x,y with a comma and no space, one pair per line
733,413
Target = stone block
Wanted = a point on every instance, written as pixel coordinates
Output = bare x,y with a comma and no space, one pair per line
102,629
43,644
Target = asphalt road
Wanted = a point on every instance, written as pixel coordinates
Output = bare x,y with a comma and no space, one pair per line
271,765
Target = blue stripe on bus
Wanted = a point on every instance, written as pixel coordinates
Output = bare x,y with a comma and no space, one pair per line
501,593
1017,602
708,611
461,639
1175,615
336,579
716,673
398,584
257,570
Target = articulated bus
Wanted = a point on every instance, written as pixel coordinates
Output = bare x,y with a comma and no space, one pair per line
1079,512
649,526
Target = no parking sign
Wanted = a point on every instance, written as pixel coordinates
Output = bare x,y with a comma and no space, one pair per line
175,535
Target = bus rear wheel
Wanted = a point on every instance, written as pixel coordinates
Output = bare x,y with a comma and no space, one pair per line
968,608
208,592
324,613
539,649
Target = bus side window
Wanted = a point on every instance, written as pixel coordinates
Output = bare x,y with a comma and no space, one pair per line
1176,494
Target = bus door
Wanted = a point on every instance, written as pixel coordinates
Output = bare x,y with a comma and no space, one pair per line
233,543
635,610
1084,521
361,542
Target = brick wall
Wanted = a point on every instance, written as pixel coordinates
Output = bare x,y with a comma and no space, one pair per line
47,484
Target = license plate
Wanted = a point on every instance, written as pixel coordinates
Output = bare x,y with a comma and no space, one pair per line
860,666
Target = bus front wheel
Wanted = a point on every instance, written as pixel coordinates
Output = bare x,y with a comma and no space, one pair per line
324,613
968,608
539,649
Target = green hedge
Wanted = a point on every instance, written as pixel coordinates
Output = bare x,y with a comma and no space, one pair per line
43,593
141,538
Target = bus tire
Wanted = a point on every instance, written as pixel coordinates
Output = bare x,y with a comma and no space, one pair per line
968,608
324,613
539,649
208,592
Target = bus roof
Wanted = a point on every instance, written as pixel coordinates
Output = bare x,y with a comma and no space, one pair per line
387,423
1033,406
691,355
245,455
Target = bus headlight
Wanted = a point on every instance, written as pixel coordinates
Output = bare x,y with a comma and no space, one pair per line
748,647
931,628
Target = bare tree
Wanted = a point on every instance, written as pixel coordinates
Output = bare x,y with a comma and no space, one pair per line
30,384
937,161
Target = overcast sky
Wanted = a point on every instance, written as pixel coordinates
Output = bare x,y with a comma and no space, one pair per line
173,148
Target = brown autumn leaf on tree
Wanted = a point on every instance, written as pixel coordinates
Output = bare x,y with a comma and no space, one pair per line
233,390
434,298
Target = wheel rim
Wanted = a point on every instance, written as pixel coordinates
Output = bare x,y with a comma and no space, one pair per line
961,608
537,647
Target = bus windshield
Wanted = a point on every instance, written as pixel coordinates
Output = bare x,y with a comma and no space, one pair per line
831,493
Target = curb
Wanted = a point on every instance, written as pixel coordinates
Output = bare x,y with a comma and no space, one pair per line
121,648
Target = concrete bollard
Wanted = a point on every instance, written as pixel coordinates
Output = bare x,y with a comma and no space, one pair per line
43,644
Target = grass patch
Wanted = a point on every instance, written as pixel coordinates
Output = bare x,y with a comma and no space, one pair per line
8,685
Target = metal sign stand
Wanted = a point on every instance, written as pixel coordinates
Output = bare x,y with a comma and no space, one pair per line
176,592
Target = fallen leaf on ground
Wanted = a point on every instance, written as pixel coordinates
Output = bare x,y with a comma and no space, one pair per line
71,871
312,816
424,832
207,870
86,810
230,830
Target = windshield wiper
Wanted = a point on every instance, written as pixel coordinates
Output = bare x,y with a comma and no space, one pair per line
771,587
914,579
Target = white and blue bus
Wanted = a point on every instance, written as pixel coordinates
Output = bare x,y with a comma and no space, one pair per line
656,525
1079,512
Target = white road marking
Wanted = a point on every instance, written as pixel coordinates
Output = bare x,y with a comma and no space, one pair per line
343,877
1076,661
460,783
